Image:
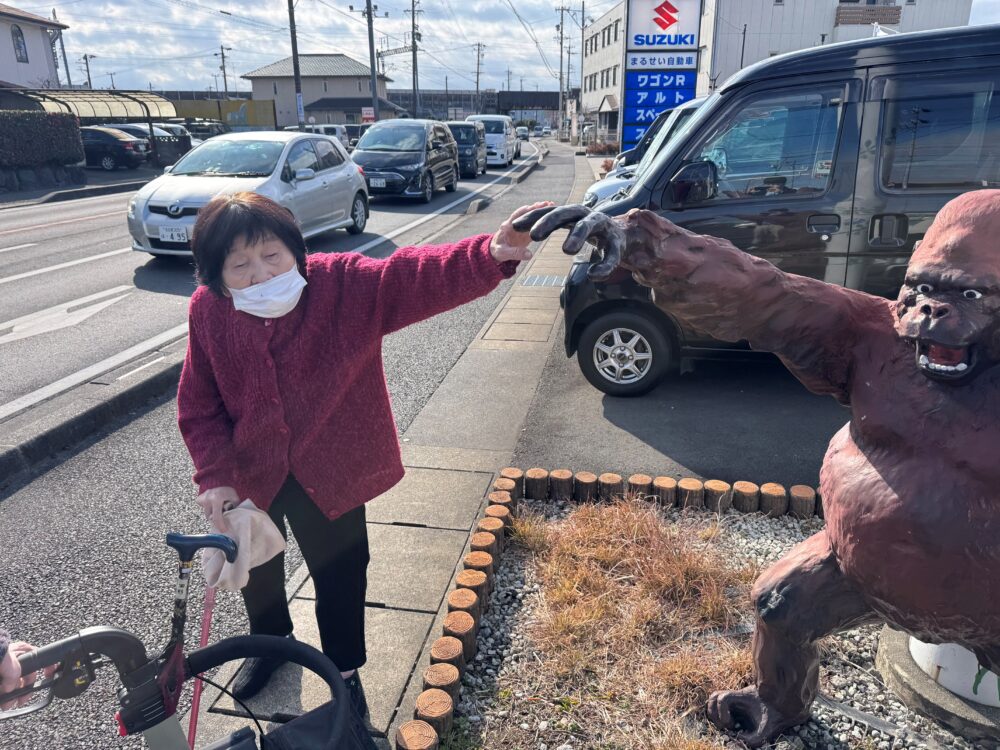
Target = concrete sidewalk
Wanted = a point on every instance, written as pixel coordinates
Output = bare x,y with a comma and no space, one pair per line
419,531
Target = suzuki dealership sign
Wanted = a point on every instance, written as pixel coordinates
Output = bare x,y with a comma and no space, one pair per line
661,61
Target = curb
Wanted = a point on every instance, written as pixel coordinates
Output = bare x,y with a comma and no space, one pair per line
477,205
73,193
35,435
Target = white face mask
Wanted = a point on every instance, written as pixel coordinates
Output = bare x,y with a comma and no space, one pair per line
273,298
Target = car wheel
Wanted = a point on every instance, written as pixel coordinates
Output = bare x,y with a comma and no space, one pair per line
108,163
428,189
452,186
359,215
624,353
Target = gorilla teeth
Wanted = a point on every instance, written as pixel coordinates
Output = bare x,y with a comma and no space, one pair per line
924,362
943,368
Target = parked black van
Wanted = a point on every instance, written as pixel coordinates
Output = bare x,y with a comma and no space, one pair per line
830,163
410,158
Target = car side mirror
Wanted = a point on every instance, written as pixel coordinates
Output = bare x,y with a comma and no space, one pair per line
168,169
301,175
694,183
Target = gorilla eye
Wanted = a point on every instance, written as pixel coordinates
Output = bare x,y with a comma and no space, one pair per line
924,288
972,294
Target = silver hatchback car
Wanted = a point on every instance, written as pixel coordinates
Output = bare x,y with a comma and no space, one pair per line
311,175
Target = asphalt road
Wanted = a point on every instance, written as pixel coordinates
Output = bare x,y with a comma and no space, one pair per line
83,538
69,264
724,420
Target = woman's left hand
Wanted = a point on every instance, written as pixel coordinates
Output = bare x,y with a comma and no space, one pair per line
508,243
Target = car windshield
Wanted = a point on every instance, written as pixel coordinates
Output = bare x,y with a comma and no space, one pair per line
494,127
672,126
231,158
464,134
393,138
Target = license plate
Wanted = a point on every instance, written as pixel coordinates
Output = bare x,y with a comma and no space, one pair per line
174,234
378,182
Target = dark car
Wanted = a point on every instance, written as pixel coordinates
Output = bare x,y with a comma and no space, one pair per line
829,163
471,140
110,148
355,131
634,155
165,147
411,158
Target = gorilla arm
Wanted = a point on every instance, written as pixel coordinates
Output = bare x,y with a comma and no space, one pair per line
719,290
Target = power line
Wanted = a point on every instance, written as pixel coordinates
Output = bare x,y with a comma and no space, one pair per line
531,34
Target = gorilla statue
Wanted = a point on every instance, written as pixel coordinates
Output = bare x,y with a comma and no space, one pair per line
910,486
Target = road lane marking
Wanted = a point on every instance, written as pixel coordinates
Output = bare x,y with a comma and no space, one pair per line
426,217
17,247
64,315
89,373
140,368
59,223
67,264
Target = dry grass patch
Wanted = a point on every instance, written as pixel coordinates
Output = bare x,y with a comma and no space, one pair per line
632,621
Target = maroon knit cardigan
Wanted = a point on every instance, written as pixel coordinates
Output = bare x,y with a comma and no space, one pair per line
305,394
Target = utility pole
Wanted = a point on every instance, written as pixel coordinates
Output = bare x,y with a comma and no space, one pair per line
479,62
744,47
508,78
414,38
215,77
62,49
583,48
369,13
86,61
562,13
300,113
225,83
112,79
447,108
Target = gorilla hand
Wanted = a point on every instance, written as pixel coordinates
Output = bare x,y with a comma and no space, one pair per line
587,226
655,250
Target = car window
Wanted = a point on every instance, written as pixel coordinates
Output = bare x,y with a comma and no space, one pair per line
775,145
302,156
328,155
465,135
241,158
393,138
494,127
674,124
938,136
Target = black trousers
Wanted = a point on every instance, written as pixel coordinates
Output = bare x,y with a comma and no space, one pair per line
336,554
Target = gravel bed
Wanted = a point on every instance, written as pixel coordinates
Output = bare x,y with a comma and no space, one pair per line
501,704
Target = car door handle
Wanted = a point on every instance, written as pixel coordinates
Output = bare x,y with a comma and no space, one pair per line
823,223
888,230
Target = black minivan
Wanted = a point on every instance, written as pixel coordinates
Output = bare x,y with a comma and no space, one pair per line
830,163
410,158
471,140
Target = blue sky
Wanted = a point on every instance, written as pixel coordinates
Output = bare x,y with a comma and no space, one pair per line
170,43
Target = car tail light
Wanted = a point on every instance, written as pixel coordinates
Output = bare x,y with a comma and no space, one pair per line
129,146
360,170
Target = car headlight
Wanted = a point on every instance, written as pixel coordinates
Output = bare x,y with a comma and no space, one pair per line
589,199
467,151
131,208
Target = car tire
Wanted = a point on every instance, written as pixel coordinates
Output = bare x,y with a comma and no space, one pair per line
359,215
613,348
108,163
452,186
427,185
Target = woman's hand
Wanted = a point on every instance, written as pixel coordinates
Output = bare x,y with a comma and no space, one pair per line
215,502
11,678
508,243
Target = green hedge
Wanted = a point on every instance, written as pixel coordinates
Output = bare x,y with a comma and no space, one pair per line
36,139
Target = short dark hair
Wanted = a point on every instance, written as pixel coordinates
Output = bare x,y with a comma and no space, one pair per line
227,218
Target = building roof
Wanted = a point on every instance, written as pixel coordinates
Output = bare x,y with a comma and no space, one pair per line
315,66
350,102
7,11
135,105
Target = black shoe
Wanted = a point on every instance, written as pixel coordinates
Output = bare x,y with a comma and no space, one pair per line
254,675
357,693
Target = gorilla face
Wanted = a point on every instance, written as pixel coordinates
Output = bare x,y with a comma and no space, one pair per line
952,318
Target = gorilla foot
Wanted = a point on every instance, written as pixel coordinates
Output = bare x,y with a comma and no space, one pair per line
753,720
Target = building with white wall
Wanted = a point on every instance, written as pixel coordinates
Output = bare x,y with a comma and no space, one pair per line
772,27
335,88
26,55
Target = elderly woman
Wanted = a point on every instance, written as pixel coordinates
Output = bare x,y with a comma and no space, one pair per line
283,398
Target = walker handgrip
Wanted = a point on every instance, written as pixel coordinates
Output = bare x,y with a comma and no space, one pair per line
187,544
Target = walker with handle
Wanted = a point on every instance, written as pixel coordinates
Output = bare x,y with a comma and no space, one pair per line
151,686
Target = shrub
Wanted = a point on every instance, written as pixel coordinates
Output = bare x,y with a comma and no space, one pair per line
603,149
607,164
36,139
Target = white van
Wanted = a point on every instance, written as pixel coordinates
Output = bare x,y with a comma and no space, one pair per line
502,144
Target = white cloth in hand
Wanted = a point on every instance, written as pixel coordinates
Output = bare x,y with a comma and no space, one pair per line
257,539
